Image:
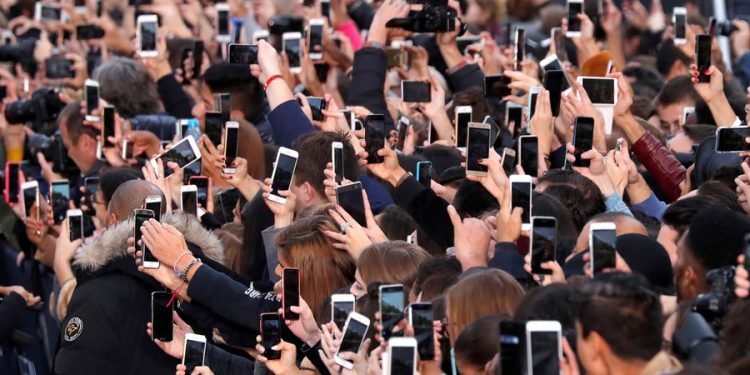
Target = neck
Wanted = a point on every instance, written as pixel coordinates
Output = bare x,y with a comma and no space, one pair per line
626,367
86,166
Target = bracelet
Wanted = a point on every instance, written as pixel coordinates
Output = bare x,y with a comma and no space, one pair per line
175,293
271,79
174,267
183,274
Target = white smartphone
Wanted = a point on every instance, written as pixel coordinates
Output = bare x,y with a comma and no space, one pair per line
341,306
259,35
355,330
602,246
283,172
574,8
543,347
146,35
337,158
231,145
601,90
222,23
193,351
462,120
47,12
127,150
402,356
315,33
30,197
75,224
91,95
291,44
520,196
183,153
478,145
153,203
679,22
189,199
686,112
551,62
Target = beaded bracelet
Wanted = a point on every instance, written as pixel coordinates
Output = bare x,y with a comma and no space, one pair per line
183,274
174,267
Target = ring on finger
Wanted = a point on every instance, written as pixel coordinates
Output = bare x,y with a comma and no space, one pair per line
344,227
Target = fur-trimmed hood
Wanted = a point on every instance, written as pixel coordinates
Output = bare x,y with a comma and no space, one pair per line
111,245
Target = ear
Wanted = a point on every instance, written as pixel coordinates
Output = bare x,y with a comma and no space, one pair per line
600,352
689,281
112,218
309,192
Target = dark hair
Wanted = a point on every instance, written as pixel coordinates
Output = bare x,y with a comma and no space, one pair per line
443,266
652,224
676,90
246,92
679,213
614,303
110,179
645,77
726,174
567,235
643,107
473,200
73,120
477,343
396,223
724,196
735,333
480,106
315,153
716,236
127,85
551,302
442,157
667,55
578,193
698,132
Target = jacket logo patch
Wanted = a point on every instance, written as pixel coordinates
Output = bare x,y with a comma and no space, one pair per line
73,329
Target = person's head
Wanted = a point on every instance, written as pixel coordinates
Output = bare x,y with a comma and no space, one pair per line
442,267
314,154
497,290
395,223
127,86
109,180
245,90
720,193
476,346
670,61
624,224
473,200
484,13
551,302
394,262
323,268
129,196
480,105
619,324
714,239
647,78
677,94
79,140
578,193
690,135
545,205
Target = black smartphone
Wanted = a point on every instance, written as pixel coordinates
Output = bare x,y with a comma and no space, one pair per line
732,139
403,129
543,243
532,103
513,118
270,331
746,264
553,82
291,282
509,161
497,86
477,148
57,67
108,125
519,48
374,137
703,56
421,318
91,92
349,197
231,145
12,181
528,154
415,92
600,90
286,162
424,173
583,139
75,224
161,316
31,197
60,198
201,184
141,217
293,52
214,126
602,246
574,9
520,196
87,32
512,347
243,54
317,105
391,307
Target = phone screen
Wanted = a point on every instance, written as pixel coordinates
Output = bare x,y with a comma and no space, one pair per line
424,173
291,292
232,143
271,334
292,49
29,198
75,227
223,26
416,92
574,24
391,308
202,190
521,197
243,54
141,217
341,311
532,103
374,137
732,139
109,125
703,56
496,86
214,127
190,202
583,139
478,148
194,353
60,199
338,163
403,128
553,81
282,175
520,47
680,21
181,153
509,162
317,105
51,13
349,197
92,98
545,357
600,91
604,244
421,320
155,207
543,242
402,361
511,350
316,38
462,128
353,336
148,36
13,185
529,148
162,316
514,116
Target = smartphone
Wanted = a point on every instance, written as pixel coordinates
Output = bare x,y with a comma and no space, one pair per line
509,161
600,90
141,217
12,181
391,307
127,150
349,197
732,139
679,21
59,198
394,57
374,137
512,347
57,67
543,347
47,12
424,173
222,23
462,119
161,316
153,203
421,319
213,127
89,32
201,185
557,37
286,162
497,86
543,244
583,139
259,35
463,42
270,332
602,246
231,145
355,331
75,224
477,148
183,153
575,7
291,283
341,306
528,154
181,127
337,159
193,352
514,116
291,46
316,28
91,94
243,54
520,196
349,116
703,56
317,105
325,8
403,129
30,194
415,92
611,66
402,356
189,199
533,95
551,63
553,82
108,125
197,58
519,48
147,26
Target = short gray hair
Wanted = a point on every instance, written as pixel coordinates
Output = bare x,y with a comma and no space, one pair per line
127,85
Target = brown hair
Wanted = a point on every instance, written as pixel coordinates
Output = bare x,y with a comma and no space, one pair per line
490,292
230,235
391,262
496,9
250,148
323,268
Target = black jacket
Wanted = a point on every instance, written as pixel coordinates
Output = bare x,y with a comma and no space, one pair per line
368,77
427,209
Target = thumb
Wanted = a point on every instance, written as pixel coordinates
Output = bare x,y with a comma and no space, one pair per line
455,218
516,214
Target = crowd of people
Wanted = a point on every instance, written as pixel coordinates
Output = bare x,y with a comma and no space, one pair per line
461,187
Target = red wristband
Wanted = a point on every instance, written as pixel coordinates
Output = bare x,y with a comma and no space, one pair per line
271,79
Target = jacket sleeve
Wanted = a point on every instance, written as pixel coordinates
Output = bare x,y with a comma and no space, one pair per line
741,69
508,259
427,209
663,166
289,123
175,101
223,362
368,77
10,311
465,77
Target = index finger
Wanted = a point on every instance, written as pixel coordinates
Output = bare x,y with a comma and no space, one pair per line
455,217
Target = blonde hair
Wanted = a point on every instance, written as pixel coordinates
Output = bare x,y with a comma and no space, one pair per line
391,262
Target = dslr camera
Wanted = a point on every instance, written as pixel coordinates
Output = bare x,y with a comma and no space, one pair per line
715,303
42,108
54,152
725,28
435,17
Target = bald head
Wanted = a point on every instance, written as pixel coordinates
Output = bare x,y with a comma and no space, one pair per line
130,196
